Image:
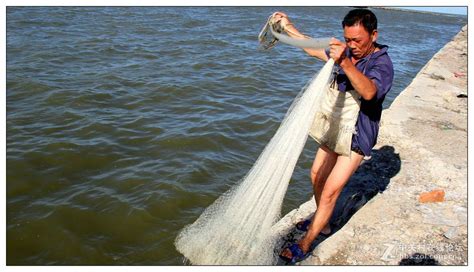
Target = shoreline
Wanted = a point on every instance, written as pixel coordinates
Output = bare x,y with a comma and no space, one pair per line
422,146
398,8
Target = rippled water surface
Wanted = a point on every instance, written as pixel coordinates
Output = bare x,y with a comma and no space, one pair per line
124,123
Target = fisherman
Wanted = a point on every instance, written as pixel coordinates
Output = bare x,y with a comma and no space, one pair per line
365,75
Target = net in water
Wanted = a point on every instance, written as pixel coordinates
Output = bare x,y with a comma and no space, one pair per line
237,228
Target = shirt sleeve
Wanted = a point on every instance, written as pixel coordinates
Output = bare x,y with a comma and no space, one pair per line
381,73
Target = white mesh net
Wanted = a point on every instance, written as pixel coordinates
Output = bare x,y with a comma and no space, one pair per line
237,228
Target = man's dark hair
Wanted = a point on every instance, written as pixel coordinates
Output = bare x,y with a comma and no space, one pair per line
361,16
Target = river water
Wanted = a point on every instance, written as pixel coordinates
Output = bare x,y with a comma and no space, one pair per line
125,123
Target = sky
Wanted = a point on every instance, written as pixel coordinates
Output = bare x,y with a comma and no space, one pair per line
450,10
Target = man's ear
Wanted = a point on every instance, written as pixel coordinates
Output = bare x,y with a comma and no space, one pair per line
375,35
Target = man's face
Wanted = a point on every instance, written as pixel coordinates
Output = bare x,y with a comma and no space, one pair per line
359,40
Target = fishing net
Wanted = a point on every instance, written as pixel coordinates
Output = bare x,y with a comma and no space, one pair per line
237,228
272,32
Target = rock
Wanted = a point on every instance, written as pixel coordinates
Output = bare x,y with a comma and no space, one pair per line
461,213
437,77
433,196
451,232
439,218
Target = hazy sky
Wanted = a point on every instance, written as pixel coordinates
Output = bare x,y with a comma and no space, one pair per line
451,10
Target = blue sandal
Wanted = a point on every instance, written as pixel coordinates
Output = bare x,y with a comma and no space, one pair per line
297,254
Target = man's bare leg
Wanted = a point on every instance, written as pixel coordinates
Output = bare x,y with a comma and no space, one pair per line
338,177
324,162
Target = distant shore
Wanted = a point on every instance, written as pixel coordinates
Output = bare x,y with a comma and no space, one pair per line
418,11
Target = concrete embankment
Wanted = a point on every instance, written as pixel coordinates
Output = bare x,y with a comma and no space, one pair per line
422,147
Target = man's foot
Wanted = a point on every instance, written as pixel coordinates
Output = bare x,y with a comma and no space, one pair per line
294,253
304,225
326,230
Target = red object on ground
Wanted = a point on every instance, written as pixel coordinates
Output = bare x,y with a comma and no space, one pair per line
458,74
433,196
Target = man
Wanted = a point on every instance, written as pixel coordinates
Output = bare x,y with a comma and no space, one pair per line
366,70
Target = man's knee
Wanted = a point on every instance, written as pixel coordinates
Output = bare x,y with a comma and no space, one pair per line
321,169
329,196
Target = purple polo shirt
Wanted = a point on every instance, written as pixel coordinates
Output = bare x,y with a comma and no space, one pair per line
379,68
